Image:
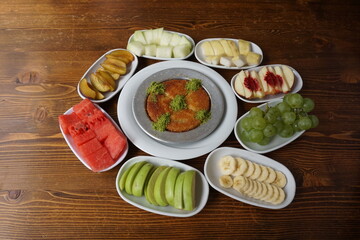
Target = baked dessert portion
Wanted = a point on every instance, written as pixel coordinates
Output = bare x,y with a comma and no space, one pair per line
177,105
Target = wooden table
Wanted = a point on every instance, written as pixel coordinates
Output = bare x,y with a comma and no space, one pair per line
46,46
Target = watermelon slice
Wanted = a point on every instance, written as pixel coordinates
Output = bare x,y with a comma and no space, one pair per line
115,144
67,120
99,160
103,129
80,139
84,109
89,147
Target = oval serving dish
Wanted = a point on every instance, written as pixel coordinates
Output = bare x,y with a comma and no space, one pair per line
277,141
212,174
131,67
71,143
201,58
173,58
201,188
298,83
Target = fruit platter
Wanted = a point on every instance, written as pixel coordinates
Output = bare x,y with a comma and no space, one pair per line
175,110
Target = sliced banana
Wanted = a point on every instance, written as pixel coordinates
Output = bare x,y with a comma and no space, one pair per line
281,197
250,169
250,188
275,195
226,181
272,175
269,194
228,165
280,180
264,174
257,172
263,191
255,189
239,183
259,190
241,167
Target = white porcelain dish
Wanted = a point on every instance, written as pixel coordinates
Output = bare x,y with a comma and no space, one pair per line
212,174
131,67
298,84
181,151
201,58
201,188
277,141
167,59
70,142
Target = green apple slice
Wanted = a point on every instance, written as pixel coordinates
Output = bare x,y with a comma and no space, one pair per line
139,181
159,188
189,190
131,176
151,184
178,193
170,185
123,177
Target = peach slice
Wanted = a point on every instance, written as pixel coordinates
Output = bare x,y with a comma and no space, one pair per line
86,89
99,83
122,54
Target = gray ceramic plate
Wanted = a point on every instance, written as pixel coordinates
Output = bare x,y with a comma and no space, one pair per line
141,117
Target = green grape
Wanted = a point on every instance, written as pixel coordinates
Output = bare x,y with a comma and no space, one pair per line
269,131
295,126
244,136
270,117
286,98
304,123
265,141
295,100
246,123
288,117
308,105
258,123
256,112
256,135
283,107
287,131
314,120
279,126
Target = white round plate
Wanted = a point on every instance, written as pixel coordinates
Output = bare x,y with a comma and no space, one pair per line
167,59
298,83
131,67
201,58
212,174
201,188
277,141
69,140
181,151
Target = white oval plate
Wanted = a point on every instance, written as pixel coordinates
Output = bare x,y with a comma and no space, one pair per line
131,67
181,151
70,142
162,59
201,58
298,83
202,188
277,141
212,174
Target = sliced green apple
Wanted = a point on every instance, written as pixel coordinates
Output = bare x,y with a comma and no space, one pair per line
151,185
178,193
123,177
159,188
139,181
189,190
170,184
131,176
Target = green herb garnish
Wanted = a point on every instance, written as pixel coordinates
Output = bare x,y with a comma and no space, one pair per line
178,103
203,116
193,85
162,122
154,89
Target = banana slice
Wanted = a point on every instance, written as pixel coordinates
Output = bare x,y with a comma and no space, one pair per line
241,167
254,190
228,165
269,194
264,174
259,190
257,172
250,188
280,180
250,169
275,195
239,183
281,197
226,181
272,175
264,191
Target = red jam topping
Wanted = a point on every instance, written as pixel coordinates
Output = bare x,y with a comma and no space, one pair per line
273,80
251,84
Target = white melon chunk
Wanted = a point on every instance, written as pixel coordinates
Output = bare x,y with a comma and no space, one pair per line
164,51
139,37
181,51
136,47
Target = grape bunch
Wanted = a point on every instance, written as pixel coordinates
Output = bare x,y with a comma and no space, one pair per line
287,117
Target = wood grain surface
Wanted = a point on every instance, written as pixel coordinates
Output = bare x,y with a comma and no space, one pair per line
46,46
